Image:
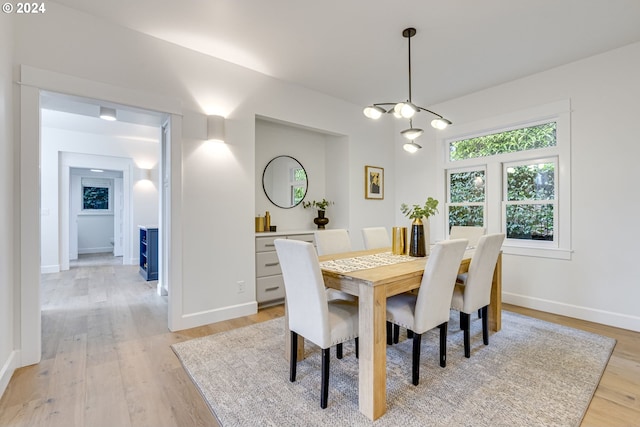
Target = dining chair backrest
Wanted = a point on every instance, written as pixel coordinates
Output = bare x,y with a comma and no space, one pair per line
332,241
471,233
304,290
434,297
375,237
477,288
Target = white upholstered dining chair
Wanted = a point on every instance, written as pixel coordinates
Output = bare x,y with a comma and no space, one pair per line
311,315
375,237
430,307
471,233
473,288
333,242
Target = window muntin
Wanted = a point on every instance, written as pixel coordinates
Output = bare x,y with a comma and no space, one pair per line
510,141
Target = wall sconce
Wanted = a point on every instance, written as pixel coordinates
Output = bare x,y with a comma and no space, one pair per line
107,113
215,128
144,174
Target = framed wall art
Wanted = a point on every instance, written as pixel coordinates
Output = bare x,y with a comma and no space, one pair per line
373,182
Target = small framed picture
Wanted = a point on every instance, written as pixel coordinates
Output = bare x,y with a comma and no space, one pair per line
373,182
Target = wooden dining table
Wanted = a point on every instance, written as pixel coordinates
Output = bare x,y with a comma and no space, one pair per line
373,286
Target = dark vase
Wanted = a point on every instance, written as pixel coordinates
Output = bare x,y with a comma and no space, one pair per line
321,221
417,246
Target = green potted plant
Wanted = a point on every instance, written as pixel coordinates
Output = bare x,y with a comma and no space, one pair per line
321,206
417,244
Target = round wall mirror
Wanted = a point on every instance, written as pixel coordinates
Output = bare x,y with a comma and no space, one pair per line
284,181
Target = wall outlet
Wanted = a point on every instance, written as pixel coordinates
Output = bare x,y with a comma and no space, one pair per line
240,284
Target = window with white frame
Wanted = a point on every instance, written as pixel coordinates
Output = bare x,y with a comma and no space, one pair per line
510,180
96,195
466,197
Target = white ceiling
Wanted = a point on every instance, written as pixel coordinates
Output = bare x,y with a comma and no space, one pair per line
354,49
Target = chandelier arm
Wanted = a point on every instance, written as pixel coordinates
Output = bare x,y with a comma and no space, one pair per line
429,111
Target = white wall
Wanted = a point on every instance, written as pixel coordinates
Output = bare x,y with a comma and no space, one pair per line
311,150
8,225
599,282
217,195
104,150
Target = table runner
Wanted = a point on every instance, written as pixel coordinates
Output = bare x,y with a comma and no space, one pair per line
347,265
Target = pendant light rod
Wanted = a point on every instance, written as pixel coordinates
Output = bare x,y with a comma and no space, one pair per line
408,33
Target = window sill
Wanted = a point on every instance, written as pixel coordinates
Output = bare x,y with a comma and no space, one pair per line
553,253
95,212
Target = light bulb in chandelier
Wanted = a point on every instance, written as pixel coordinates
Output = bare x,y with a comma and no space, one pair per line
405,109
440,123
412,133
374,112
411,146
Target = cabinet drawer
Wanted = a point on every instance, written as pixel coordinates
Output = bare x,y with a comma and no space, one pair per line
267,264
304,237
269,288
264,244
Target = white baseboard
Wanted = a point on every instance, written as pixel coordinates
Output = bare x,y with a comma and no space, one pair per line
44,269
618,320
101,250
193,320
10,365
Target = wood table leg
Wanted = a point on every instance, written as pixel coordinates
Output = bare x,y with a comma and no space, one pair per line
373,351
495,306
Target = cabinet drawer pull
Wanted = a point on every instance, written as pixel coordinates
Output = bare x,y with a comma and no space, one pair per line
271,264
269,245
272,289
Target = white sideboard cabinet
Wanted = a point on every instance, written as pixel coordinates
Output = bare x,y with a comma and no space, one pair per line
269,282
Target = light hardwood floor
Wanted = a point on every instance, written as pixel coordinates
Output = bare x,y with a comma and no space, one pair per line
106,359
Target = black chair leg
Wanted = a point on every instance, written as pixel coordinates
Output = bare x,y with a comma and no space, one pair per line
464,324
339,351
443,344
389,333
324,387
485,325
479,313
293,356
409,334
415,362
396,334
357,348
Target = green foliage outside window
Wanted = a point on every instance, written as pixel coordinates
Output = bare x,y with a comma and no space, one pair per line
530,222
533,182
468,216
528,186
299,175
298,194
512,141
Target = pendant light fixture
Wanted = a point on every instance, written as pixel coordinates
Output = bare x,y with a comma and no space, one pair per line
406,109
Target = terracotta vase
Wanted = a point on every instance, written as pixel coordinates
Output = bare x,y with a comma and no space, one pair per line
321,221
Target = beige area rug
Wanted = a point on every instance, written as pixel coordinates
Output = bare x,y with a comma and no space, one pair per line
532,373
